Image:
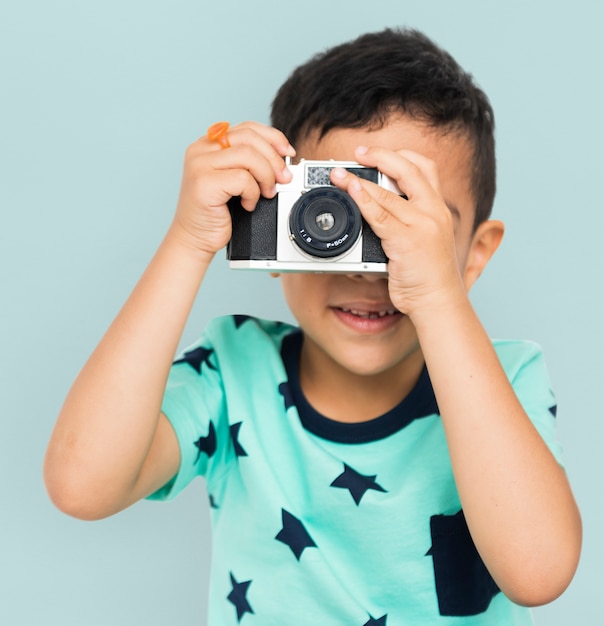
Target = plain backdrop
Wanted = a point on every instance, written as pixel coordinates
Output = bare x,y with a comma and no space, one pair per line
98,103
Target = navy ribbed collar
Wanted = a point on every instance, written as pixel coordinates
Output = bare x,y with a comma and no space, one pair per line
420,402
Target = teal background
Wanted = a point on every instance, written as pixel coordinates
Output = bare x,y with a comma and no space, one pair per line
98,103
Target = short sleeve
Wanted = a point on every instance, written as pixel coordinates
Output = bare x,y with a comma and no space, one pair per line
525,366
194,405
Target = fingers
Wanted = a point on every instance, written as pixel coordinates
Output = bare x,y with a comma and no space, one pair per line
383,209
232,183
250,163
253,161
419,220
413,172
247,131
416,231
266,170
251,142
415,175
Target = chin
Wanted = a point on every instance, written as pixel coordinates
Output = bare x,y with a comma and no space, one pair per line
365,364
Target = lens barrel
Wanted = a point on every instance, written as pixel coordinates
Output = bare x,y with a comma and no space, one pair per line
325,222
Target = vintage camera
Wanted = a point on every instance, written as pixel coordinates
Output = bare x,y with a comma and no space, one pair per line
309,226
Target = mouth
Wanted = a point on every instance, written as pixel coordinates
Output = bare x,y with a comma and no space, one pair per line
370,315
368,319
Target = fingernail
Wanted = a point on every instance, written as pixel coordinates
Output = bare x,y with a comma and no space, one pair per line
286,149
339,172
286,173
362,150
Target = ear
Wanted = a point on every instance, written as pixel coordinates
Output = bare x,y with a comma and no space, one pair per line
485,241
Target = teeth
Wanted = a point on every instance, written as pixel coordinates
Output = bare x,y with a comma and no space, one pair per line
370,315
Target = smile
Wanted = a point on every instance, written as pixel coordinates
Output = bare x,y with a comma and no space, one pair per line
370,315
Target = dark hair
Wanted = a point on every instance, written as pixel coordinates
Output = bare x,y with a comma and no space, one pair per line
361,82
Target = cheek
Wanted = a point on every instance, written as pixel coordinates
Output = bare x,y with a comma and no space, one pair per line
461,247
295,289
463,242
304,293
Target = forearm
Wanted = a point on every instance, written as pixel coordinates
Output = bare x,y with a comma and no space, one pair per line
111,445
109,420
515,496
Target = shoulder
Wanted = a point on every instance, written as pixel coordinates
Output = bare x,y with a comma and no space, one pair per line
516,354
245,333
229,339
525,367
243,339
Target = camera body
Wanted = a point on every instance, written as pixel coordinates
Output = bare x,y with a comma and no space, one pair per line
309,226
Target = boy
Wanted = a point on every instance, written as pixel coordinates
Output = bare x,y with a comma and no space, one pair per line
384,464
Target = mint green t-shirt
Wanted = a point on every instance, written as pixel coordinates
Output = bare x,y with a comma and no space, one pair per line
322,522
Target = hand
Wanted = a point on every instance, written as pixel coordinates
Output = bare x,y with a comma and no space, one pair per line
417,233
250,167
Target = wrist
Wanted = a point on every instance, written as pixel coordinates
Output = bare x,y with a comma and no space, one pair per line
177,239
441,312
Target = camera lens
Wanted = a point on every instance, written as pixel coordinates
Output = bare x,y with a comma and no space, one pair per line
325,222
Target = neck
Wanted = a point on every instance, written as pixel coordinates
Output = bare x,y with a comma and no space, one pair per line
347,396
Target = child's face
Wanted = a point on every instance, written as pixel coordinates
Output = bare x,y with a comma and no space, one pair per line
362,343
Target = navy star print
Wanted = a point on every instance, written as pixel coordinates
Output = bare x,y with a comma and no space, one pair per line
357,484
287,395
241,319
196,358
239,449
206,444
294,535
376,622
238,597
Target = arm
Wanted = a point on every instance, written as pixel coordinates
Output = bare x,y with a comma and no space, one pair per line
516,497
111,445
517,501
